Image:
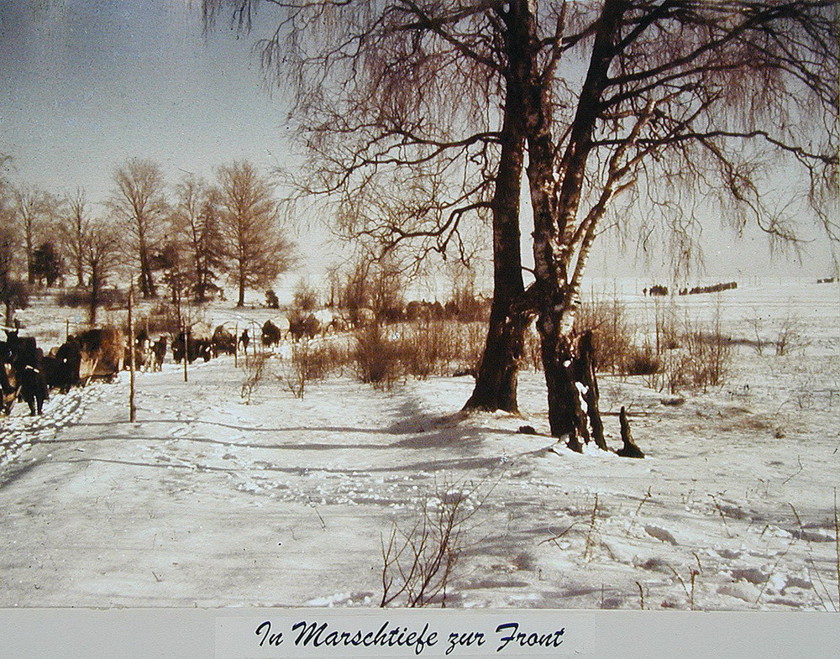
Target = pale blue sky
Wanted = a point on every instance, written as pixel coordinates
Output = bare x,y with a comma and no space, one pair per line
87,84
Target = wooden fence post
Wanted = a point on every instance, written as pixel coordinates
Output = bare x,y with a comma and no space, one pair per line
132,411
186,350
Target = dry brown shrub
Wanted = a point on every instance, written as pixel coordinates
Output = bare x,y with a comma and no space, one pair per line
469,347
641,361
254,372
440,347
422,347
418,562
612,334
376,356
704,360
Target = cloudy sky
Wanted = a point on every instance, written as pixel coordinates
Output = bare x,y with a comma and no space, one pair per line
87,84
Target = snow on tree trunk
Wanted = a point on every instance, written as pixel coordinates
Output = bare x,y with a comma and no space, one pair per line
587,383
569,366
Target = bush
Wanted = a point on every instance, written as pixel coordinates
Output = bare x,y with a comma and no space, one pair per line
422,348
709,358
641,361
683,357
667,329
15,295
789,336
703,361
377,359
304,298
254,371
612,336
440,348
419,559
467,307
419,350
317,361
310,361
469,348
76,298
271,300
161,319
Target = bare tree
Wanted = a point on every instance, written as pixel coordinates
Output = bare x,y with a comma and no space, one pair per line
139,206
195,228
73,230
7,233
679,100
8,245
368,282
47,264
101,257
12,291
673,98
414,126
387,287
351,287
33,209
254,247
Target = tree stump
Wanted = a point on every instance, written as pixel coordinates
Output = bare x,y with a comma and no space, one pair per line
629,450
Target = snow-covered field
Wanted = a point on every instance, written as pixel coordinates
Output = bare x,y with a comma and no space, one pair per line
209,501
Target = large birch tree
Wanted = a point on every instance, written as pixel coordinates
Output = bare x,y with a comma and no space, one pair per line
680,100
419,116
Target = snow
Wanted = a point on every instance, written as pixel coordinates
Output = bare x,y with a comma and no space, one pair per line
208,501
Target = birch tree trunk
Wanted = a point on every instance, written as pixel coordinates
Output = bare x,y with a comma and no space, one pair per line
555,190
496,381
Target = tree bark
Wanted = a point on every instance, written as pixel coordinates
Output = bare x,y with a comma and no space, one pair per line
95,288
572,389
570,376
496,380
241,300
587,377
147,284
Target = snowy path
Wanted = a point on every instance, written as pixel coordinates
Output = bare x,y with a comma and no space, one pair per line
212,503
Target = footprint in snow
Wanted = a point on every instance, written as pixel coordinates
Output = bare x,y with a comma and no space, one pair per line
728,554
660,534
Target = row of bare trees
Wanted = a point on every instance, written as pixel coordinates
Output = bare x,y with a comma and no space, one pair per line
189,237
422,119
229,228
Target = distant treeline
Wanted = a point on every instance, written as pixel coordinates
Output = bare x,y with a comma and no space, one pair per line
657,289
715,288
